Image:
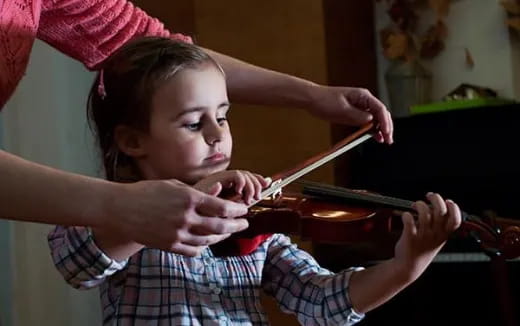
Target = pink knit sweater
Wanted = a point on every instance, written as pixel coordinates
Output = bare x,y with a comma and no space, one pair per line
87,30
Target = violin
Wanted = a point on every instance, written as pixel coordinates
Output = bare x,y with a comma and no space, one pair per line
335,215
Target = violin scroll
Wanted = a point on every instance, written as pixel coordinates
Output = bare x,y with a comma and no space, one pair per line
497,237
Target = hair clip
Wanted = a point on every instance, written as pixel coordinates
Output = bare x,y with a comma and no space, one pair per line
101,86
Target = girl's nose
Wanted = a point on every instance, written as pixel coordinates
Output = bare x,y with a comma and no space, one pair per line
214,135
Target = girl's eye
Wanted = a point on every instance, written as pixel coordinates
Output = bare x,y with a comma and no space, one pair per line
221,121
193,126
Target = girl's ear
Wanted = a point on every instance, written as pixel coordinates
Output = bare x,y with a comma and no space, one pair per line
129,141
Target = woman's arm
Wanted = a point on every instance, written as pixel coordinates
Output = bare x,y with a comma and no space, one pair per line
352,106
92,30
154,213
36,193
117,246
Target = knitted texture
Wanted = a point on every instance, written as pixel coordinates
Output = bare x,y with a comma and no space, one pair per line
86,30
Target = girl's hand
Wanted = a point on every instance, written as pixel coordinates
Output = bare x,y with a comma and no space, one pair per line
423,238
244,183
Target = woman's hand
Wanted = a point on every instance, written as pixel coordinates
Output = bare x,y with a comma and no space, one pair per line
423,238
172,216
352,106
244,183
342,105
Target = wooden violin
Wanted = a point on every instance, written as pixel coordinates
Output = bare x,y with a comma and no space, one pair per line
335,215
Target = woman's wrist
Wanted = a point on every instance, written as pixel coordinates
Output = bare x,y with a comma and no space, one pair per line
304,93
115,245
109,235
105,209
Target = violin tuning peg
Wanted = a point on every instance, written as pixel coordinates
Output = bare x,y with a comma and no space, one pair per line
492,252
475,236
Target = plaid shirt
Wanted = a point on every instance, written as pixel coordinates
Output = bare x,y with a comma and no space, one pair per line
155,287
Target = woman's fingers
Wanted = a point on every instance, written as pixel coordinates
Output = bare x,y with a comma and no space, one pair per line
186,250
201,240
216,225
212,206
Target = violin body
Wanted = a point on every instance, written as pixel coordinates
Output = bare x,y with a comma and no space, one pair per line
318,219
346,216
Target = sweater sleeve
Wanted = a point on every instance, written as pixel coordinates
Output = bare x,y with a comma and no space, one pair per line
79,260
91,30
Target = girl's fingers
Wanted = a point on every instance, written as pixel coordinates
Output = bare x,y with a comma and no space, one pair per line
439,211
249,188
409,226
240,182
215,189
454,216
266,182
424,219
258,182
247,185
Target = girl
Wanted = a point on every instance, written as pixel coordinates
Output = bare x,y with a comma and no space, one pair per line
159,108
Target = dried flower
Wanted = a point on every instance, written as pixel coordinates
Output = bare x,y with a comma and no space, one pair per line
402,40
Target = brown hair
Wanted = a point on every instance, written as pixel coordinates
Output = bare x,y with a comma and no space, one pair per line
129,79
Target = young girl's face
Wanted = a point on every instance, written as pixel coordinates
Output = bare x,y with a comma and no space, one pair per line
189,136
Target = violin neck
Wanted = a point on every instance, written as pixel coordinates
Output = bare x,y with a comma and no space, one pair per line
339,193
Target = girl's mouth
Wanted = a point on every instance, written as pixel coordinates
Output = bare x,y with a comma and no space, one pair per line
217,158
